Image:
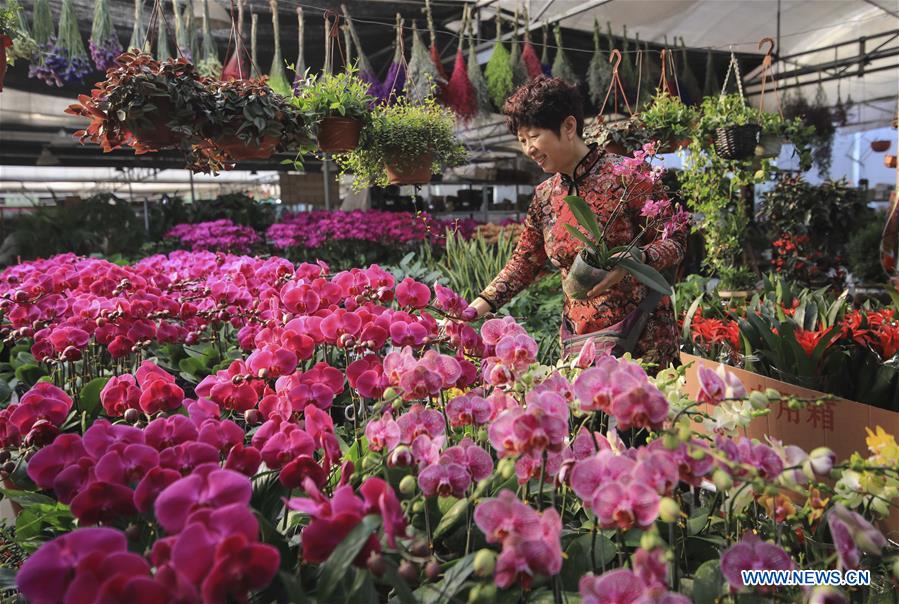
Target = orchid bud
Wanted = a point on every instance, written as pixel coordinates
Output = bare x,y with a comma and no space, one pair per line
252,417
132,416
722,480
390,393
651,540
8,468
758,400
669,510
401,457
432,570
376,564
71,354
506,467
408,572
772,394
408,486
484,562
896,569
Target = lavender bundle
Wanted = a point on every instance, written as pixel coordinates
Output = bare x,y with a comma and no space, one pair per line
43,38
366,73
544,54
67,59
104,43
519,70
599,74
396,75
561,65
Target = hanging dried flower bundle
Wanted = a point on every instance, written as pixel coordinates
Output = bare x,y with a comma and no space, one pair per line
366,73
209,66
476,77
626,70
599,74
43,37
277,81
421,74
460,95
561,66
529,54
519,71
182,33
498,71
189,20
442,75
650,74
712,86
299,72
162,36
236,68
104,43
138,39
66,60
255,72
23,44
544,54
396,74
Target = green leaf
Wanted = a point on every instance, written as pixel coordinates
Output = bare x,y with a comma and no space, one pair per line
29,374
578,561
362,591
646,275
89,399
446,589
451,518
584,215
192,366
696,523
334,568
576,232
24,498
295,593
708,582
5,391
688,319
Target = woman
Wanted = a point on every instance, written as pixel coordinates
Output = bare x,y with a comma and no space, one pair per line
547,116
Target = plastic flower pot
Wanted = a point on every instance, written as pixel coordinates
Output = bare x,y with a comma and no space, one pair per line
418,173
339,134
581,278
240,150
769,146
880,146
5,42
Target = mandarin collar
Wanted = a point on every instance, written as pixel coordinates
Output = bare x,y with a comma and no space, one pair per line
582,169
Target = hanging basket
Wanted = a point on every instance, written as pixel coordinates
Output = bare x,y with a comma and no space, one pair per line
737,142
414,174
157,135
339,134
240,150
880,146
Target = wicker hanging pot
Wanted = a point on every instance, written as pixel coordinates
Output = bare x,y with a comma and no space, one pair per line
736,141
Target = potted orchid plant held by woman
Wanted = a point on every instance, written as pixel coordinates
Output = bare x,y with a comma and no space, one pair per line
598,257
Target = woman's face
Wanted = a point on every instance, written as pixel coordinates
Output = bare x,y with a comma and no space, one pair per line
551,151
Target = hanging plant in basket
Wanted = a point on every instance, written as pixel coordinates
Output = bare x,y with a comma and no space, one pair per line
337,106
250,121
732,124
670,121
621,137
145,104
404,143
104,42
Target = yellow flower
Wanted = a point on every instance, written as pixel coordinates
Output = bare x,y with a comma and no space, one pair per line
883,445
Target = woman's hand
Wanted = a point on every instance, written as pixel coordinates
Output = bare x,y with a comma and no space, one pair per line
615,276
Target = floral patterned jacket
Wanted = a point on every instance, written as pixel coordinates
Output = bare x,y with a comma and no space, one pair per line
545,238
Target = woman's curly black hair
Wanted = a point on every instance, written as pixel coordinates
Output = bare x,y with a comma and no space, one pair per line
544,102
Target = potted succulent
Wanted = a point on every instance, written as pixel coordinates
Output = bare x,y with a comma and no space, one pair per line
337,105
250,121
146,104
404,143
670,121
620,137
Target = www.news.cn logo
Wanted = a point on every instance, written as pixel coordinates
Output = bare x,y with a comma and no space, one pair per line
805,578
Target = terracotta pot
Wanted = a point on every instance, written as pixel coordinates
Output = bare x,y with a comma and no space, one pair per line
581,278
880,146
5,41
339,134
240,150
417,174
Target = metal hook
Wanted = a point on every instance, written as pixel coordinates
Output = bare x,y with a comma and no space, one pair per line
768,53
615,54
